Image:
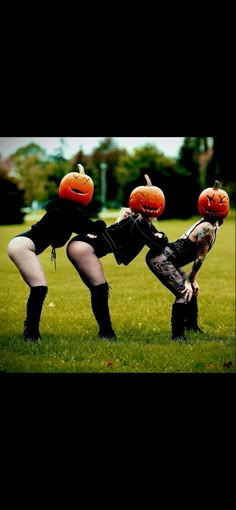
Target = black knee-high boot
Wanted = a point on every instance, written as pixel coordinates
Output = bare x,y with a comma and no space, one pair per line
192,315
99,302
33,311
177,321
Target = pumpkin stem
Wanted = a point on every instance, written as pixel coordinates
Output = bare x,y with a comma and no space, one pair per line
80,168
148,180
216,185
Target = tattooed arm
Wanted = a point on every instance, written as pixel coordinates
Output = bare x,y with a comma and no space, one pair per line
202,236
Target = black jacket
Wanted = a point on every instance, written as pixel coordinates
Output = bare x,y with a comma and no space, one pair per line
61,219
128,237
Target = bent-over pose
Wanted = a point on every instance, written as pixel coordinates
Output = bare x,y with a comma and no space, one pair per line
125,239
193,246
64,215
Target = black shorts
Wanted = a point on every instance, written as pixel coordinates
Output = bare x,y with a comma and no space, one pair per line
40,243
99,244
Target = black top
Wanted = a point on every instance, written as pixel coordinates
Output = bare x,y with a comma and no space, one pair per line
61,219
128,237
185,250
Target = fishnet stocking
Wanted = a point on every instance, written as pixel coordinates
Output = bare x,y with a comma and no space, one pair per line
21,251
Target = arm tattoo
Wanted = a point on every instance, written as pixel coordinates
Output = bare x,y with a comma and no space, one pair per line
195,268
203,242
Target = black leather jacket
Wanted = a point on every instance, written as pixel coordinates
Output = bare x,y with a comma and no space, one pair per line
61,219
128,237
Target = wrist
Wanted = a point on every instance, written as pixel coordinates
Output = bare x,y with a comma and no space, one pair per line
190,278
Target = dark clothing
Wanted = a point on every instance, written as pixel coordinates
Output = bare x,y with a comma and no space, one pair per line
168,266
125,239
185,250
62,218
128,237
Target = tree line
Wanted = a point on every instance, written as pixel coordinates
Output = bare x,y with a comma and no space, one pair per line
30,174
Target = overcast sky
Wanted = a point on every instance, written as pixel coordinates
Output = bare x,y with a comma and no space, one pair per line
169,146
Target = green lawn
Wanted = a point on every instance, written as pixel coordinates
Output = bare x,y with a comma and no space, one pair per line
140,308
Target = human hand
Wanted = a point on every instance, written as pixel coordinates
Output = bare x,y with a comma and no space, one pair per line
188,290
124,213
161,235
195,288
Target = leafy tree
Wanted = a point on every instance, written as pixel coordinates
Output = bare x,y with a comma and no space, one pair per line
40,174
59,157
210,158
163,172
188,185
222,165
11,198
107,153
32,149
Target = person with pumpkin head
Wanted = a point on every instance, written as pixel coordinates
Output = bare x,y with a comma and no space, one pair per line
64,215
193,246
125,239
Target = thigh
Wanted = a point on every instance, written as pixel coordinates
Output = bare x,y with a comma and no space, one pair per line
77,249
98,243
21,250
83,257
164,269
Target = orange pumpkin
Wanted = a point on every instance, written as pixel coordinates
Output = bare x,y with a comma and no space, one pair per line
77,186
147,200
214,201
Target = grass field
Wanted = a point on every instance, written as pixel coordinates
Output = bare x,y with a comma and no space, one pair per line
140,308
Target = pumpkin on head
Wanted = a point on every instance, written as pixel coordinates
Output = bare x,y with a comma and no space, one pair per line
77,186
214,201
147,200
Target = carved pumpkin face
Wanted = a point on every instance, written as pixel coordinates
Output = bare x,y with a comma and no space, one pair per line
147,200
77,186
214,201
